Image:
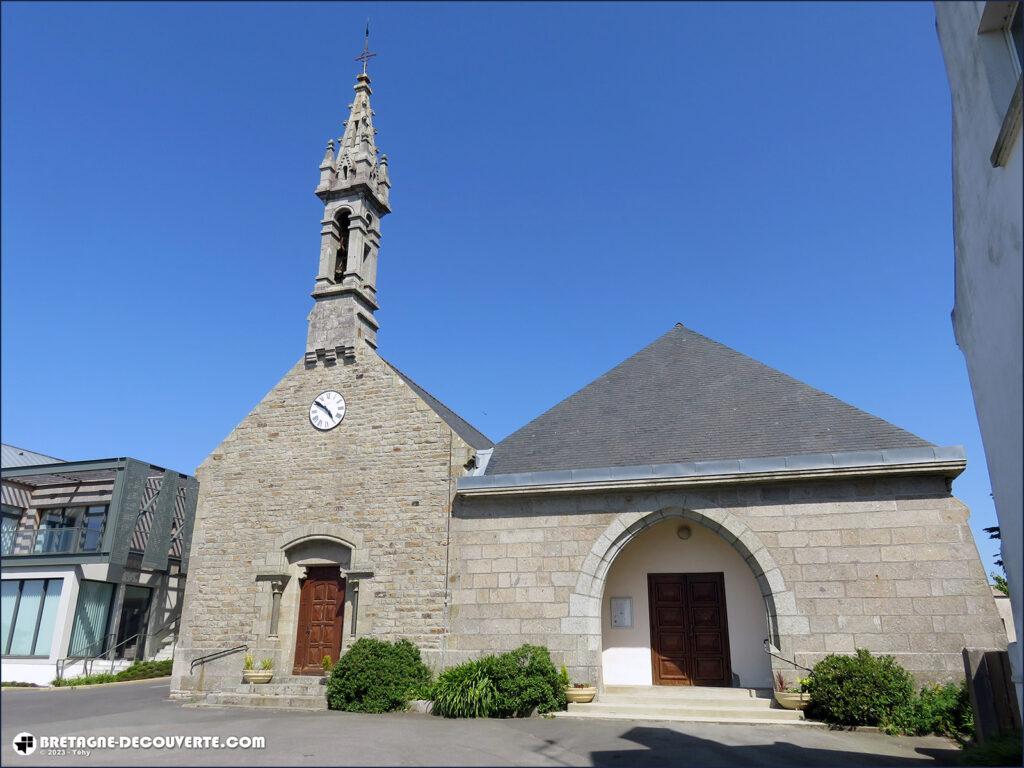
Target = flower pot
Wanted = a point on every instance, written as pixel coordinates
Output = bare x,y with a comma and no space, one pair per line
792,699
257,675
580,695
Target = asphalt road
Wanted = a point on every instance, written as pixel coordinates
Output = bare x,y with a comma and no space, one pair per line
334,738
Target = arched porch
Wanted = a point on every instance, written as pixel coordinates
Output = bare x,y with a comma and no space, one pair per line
760,591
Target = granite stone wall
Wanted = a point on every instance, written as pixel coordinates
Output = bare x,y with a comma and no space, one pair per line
376,489
884,564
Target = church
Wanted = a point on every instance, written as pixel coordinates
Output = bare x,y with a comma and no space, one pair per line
691,517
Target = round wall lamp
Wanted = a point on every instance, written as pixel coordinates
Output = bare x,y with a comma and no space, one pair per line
684,532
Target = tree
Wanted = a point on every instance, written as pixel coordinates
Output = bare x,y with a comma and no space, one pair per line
1000,583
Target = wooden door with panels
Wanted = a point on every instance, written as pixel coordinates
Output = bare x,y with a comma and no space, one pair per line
689,629
321,612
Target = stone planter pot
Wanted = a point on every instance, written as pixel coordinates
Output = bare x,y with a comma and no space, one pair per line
580,695
792,699
257,675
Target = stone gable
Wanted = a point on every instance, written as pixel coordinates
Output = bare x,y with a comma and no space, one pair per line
385,476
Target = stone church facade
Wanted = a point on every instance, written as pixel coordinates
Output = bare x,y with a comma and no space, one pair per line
667,524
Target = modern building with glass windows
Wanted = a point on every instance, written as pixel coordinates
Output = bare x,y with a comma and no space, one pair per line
94,557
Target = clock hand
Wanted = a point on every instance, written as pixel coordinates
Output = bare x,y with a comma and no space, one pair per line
323,408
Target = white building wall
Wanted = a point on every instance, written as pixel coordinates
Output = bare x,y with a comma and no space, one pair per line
987,211
40,670
626,654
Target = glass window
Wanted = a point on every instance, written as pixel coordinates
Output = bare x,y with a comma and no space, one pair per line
1017,35
29,616
10,520
71,529
47,618
53,524
10,598
93,522
24,634
89,632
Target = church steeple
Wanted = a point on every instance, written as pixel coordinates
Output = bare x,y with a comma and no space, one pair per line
355,188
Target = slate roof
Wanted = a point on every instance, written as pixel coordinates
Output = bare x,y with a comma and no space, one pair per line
684,398
11,456
473,436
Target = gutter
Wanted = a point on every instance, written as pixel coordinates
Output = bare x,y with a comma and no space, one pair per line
946,461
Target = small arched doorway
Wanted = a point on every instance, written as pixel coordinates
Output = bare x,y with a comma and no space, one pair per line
321,564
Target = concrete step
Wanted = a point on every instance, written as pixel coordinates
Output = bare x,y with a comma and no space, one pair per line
632,699
669,711
768,718
688,692
262,700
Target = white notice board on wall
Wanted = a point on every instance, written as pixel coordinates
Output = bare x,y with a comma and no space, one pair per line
622,612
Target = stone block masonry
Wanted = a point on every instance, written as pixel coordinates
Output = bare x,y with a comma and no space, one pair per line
382,480
885,564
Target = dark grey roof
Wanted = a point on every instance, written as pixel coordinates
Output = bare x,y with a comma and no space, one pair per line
473,436
12,456
688,398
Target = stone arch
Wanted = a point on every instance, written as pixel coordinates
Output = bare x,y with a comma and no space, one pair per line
585,602
323,531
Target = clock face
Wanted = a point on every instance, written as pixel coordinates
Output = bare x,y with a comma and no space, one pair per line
327,410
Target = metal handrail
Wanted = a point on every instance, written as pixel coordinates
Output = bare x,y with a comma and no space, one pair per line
62,663
215,655
767,649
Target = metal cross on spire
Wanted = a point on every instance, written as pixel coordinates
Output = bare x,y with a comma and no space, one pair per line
366,55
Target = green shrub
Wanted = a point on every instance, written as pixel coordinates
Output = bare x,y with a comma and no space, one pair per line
376,676
512,684
857,690
465,691
940,709
140,670
526,680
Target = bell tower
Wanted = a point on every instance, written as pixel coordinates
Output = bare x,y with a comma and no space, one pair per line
354,188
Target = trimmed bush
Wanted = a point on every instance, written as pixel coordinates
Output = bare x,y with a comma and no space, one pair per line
513,684
376,676
941,709
858,690
140,670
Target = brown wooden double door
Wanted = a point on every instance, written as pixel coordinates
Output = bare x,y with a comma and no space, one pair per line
689,633
321,610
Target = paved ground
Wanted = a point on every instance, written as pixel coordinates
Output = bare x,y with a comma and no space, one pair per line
333,738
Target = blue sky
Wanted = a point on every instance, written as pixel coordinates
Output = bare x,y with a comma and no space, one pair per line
570,180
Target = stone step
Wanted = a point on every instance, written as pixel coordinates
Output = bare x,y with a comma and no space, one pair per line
687,692
280,689
757,704
669,711
767,719
261,700
304,679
